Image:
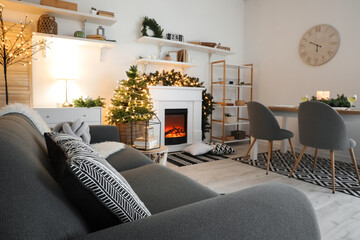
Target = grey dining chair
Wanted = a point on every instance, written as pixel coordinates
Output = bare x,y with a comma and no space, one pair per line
321,127
264,126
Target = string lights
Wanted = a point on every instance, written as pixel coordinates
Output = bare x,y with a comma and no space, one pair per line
19,48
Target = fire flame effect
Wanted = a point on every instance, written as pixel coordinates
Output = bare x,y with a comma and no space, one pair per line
174,132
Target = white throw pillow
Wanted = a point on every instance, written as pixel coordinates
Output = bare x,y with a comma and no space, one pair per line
198,149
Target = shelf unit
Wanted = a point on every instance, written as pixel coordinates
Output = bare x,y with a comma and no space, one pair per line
160,42
74,40
29,7
146,62
234,90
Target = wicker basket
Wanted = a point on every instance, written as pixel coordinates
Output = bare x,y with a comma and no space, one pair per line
47,24
129,131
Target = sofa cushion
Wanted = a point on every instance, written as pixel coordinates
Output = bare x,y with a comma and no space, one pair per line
128,158
198,149
162,189
91,183
221,149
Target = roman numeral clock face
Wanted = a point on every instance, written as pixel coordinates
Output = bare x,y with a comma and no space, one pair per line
319,44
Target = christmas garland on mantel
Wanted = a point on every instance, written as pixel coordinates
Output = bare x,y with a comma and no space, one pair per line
176,79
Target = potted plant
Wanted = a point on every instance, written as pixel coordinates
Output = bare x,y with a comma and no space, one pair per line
167,57
229,118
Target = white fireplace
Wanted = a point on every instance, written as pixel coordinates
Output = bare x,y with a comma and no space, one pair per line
169,99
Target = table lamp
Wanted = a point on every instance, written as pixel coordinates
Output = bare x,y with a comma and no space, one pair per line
66,103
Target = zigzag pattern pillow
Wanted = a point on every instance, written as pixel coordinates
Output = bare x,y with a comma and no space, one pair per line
221,149
96,175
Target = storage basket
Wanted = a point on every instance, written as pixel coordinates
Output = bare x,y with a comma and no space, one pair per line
238,134
128,132
47,24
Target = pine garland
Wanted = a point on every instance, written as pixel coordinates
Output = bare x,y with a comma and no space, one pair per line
153,25
207,108
172,78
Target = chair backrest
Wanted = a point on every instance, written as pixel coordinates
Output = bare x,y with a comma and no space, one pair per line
263,124
320,126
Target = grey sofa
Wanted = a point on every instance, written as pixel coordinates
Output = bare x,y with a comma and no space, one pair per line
33,206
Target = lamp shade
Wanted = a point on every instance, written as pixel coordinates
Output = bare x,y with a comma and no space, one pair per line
65,71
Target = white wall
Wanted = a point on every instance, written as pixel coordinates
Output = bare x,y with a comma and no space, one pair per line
200,20
273,29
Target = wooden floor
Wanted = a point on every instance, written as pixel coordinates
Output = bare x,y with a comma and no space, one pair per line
338,214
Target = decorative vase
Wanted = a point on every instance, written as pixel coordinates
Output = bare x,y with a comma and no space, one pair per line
79,34
47,24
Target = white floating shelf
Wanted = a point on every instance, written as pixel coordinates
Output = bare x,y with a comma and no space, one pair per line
29,7
74,40
164,42
165,62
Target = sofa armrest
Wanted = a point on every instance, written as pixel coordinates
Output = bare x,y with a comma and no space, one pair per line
102,133
270,211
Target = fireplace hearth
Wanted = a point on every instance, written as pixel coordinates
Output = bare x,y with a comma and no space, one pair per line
175,126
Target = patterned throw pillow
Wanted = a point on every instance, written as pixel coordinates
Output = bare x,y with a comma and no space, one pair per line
100,192
221,149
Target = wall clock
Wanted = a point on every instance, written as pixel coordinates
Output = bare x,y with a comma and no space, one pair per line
319,44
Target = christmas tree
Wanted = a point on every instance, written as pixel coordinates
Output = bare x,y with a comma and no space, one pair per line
131,102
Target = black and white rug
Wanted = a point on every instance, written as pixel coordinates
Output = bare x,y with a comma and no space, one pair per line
184,159
282,163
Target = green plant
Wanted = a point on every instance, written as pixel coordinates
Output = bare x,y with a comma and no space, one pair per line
89,102
227,115
152,25
340,101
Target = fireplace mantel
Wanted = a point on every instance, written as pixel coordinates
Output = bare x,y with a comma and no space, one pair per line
189,98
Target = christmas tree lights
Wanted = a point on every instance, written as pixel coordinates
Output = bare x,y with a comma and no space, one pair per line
131,102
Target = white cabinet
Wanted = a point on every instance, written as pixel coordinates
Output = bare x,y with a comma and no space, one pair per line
53,116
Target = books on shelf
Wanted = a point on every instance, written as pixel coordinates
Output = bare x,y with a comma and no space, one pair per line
96,37
105,13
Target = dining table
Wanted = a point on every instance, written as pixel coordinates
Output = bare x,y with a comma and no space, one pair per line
291,111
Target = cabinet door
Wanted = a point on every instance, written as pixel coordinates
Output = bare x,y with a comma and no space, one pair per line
52,116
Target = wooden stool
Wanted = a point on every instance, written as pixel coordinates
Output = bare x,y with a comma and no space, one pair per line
158,155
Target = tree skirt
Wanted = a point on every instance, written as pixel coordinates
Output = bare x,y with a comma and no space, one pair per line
282,163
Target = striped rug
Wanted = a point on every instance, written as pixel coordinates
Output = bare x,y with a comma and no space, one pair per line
282,163
184,159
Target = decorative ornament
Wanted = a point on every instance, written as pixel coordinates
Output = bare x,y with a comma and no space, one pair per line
152,25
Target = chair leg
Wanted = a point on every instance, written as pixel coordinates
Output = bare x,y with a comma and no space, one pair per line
247,153
332,157
292,149
354,162
298,160
315,159
271,150
268,157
